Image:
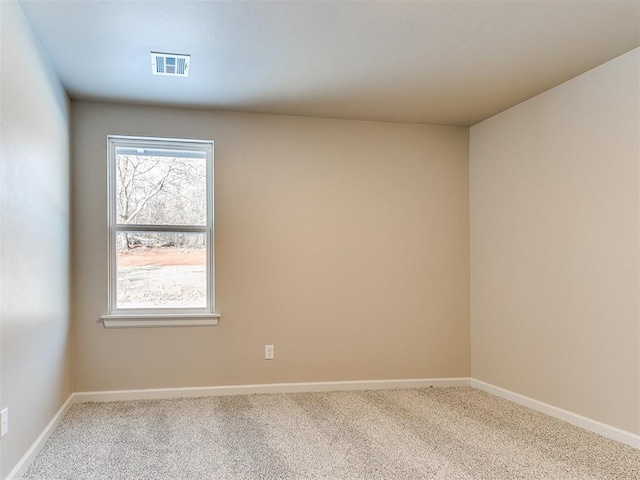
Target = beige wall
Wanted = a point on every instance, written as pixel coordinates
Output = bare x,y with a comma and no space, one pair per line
343,243
34,238
554,185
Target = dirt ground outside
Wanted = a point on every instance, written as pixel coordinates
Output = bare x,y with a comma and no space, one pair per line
161,256
162,277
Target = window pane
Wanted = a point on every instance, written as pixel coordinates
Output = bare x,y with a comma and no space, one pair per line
161,270
158,187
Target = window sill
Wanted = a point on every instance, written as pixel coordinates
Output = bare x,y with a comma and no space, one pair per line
160,320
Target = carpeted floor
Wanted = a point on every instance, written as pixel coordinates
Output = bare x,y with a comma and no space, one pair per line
436,433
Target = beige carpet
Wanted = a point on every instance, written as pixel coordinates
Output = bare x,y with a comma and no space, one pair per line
448,433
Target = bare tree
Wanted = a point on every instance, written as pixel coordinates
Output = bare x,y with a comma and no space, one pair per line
159,190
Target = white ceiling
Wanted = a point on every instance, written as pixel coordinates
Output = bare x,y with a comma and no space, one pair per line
441,62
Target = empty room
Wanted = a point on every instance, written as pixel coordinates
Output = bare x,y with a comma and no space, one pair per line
320,239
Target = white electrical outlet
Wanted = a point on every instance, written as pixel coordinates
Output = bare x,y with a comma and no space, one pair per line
4,422
269,352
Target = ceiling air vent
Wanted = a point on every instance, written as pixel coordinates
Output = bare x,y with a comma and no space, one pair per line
171,64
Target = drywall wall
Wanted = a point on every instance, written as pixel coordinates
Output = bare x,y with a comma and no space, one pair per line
554,191
343,243
34,238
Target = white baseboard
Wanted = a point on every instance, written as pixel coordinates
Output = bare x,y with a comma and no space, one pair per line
603,429
21,468
160,393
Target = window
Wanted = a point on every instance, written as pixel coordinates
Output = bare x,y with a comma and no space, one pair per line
160,209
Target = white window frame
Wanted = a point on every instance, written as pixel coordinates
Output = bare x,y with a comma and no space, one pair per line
158,317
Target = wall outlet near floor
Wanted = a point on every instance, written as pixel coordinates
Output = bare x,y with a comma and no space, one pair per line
269,352
4,422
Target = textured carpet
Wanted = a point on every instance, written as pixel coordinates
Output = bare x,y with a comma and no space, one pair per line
435,433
